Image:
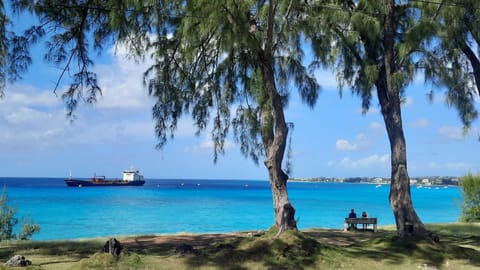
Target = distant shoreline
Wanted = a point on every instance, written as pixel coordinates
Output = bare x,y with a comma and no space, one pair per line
368,183
414,181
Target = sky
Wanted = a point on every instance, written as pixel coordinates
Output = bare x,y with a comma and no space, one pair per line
334,139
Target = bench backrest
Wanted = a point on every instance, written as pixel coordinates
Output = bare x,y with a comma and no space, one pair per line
361,220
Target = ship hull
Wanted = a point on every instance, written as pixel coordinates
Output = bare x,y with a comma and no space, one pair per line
104,183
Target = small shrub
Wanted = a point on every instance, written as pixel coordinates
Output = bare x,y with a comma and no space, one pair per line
7,217
470,185
8,221
28,228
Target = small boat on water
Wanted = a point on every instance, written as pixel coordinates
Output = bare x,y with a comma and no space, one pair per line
131,177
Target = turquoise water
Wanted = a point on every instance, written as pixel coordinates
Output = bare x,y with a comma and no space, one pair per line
201,206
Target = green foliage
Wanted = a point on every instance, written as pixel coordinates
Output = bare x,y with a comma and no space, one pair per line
207,56
215,62
452,60
106,261
358,28
28,229
470,185
75,29
14,51
7,218
8,221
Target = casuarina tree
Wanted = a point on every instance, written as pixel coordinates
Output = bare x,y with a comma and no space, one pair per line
232,61
231,65
377,44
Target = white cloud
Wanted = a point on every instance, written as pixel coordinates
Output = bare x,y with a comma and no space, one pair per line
26,115
121,83
326,79
451,132
361,137
361,141
207,145
21,95
342,144
105,132
420,123
30,118
367,162
35,119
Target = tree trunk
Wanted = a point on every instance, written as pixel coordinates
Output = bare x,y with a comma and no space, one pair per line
274,136
274,133
407,220
472,57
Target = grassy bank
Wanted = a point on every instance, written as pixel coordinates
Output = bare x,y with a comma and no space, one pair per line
459,248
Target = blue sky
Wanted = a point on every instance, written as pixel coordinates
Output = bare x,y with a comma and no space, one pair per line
334,139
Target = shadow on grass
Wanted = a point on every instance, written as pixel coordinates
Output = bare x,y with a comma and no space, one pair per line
312,248
292,251
390,249
150,245
341,238
73,250
318,249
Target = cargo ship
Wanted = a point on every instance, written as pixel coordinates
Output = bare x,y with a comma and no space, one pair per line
131,177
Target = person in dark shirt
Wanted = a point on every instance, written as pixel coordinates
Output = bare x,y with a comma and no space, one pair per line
352,215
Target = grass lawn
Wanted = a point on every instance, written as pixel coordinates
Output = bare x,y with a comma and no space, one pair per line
459,248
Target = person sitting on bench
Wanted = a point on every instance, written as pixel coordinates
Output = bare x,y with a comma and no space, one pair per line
352,215
364,215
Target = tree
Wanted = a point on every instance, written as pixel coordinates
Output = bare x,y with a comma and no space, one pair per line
470,185
377,44
7,217
211,58
8,221
14,54
71,27
453,62
227,54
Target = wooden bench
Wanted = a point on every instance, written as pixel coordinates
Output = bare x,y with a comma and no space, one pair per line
364,221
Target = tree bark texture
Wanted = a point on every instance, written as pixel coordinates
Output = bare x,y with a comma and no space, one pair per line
474,61
274,132
274,141
406,218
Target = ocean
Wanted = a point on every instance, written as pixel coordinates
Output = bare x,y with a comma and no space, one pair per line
166,206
